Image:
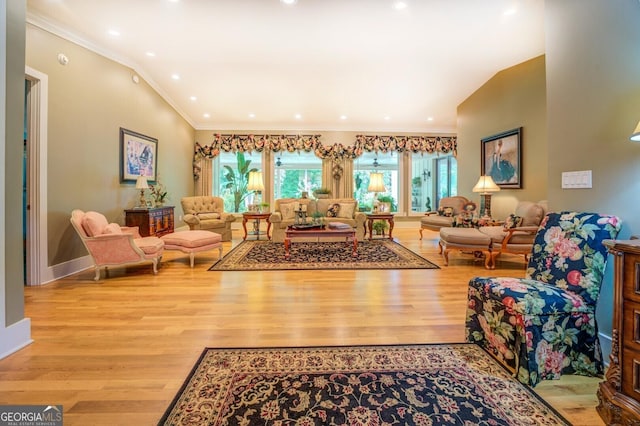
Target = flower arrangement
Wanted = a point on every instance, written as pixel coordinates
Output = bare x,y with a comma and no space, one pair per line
158,193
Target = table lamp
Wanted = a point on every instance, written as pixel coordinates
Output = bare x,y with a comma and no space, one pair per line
255,184
141,184
376,185
485,187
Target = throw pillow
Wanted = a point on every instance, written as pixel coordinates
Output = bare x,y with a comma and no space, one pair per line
94,223
347,210
445,211
112,228
334,210
288,211
208,216
512,221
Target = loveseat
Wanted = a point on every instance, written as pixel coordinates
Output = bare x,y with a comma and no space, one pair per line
207,212
346,211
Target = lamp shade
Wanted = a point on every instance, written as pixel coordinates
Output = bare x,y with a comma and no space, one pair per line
485,185
376,183
255,182
141,182
635,136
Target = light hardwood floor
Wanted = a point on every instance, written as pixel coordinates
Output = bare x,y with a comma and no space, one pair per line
117,351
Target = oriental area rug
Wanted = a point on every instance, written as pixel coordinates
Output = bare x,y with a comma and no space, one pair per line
267,255
456,384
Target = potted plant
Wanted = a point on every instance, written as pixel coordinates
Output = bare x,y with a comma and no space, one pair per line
388,199
236,184
379,226
322,192
158,193
264,207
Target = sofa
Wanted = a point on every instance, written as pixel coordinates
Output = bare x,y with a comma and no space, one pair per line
207,213
283,214
448,208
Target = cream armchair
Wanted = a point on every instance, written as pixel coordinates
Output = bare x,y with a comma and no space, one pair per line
110,244
207,212
448,208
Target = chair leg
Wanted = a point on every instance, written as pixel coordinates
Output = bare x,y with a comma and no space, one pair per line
97,276
155,266
420,233
220,253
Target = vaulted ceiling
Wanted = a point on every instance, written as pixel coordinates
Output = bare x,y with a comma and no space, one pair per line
361,65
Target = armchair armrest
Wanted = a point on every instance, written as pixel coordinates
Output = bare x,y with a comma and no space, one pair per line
360,218
133,230
276,217
113,249
520,230
227,217
191,219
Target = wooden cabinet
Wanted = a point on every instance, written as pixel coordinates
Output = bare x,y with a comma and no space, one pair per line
151,222
619,395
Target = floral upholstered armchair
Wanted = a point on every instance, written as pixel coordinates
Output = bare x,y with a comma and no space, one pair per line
544,325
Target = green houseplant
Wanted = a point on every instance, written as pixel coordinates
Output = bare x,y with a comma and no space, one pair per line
322,192
379,226
236,183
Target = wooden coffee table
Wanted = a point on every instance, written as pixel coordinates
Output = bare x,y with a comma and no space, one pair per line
319,233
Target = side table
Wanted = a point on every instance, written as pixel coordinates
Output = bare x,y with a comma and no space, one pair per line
371,217
256,217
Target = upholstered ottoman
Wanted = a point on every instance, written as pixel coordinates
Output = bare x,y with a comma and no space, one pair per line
465,239
193,242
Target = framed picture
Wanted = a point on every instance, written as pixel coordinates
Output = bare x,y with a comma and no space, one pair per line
138,156
501,158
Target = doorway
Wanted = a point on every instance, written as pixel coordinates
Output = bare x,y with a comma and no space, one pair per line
34,174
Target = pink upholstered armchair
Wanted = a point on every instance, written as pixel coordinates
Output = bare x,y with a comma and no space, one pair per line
110,244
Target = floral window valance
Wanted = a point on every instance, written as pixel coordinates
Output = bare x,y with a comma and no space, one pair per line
336,152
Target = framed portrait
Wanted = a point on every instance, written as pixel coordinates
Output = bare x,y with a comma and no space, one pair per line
501,158
138,156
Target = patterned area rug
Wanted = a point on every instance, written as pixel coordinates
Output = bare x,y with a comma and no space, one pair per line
267,255
360,385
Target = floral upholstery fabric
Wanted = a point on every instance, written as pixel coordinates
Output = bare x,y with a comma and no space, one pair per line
544,325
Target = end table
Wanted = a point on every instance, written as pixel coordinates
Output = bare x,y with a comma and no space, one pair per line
256,217
371,217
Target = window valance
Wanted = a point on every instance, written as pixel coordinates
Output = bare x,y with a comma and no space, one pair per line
336,152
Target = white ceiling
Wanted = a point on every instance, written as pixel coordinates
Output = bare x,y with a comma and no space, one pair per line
384,69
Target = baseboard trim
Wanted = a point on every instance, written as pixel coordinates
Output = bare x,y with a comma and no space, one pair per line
15,337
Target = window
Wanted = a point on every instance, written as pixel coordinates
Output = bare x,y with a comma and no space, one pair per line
296,172
421,183
387,164
230,178
446,177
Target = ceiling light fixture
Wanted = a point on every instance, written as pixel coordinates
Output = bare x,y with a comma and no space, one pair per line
509,12
114,33
429,118
175,76
289,2
343,117
386,117
206,115
193,98
297,116
252,115
150,54
399,5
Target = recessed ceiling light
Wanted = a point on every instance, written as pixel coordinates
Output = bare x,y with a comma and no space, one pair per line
113,32
298,116
343,117
175,76
399,5
289,2
509,12
193,98
252,115
386,117
206,115
150,54
429,118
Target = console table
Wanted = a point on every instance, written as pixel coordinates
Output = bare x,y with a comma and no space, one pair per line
151,222
619,394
